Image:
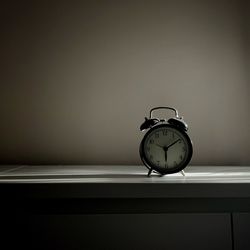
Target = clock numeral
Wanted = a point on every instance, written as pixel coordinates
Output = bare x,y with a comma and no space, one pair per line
165,132
180,141
158,163
151,157
181,157
173,135
151,141
156,135
184,149
148,148
175,163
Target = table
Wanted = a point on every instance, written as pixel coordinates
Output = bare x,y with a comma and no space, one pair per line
119,207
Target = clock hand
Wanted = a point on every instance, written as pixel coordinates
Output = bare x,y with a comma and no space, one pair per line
172,143
166,157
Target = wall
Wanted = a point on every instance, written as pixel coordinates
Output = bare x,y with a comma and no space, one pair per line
78,78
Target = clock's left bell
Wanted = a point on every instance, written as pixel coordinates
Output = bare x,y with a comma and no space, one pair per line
148,123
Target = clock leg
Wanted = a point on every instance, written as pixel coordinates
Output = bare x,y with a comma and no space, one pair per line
149,172
182,172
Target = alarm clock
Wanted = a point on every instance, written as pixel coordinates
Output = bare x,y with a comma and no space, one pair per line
166,147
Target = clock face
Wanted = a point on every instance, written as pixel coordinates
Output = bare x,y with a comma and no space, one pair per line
166,149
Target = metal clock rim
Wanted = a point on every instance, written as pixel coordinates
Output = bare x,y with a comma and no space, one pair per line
175,170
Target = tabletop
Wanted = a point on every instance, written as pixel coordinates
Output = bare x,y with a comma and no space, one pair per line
119,174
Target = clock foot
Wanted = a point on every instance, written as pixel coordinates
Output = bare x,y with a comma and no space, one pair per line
183,173
149,172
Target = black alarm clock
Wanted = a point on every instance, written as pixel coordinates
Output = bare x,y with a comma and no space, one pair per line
166,147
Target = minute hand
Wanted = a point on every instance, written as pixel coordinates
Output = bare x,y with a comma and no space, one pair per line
170,145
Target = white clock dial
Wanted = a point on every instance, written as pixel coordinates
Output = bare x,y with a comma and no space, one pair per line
166,148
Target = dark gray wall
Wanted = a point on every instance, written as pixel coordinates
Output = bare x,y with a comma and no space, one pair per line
77,78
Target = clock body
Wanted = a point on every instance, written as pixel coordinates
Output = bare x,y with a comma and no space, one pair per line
166,149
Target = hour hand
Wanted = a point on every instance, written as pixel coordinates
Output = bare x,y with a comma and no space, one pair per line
166,156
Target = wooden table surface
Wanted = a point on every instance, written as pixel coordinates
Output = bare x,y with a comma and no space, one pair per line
127,181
